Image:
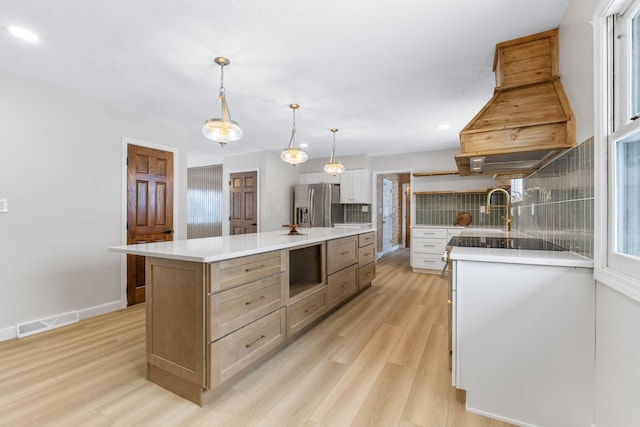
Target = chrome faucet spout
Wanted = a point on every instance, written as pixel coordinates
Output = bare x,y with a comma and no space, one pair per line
507,217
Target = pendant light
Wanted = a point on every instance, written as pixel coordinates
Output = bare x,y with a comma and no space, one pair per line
291,154
222,129
334,167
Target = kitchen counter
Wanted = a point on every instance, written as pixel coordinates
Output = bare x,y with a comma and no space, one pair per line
221,248
218,307
522,319
515,256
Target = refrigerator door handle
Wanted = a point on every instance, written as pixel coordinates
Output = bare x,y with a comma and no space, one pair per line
311,191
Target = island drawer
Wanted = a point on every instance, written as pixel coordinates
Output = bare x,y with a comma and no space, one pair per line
366,274
238,271
365,239
366,255
341,253
428,246
342,284
234,353
434,233
304,311
233,308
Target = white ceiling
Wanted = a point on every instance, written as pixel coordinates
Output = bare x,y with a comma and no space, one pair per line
386,73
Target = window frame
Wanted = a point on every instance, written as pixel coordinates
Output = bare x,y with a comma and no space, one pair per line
615,270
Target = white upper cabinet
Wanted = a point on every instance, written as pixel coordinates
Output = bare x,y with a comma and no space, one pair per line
318,178
355,186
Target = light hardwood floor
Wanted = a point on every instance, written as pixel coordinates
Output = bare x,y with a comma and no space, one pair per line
380,360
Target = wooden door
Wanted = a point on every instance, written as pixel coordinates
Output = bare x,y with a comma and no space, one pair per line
149,209
243,210
407,217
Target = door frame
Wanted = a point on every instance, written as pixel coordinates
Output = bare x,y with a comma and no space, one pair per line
226,209
374,201
123,203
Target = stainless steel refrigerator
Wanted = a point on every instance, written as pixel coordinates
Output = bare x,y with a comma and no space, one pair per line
317,205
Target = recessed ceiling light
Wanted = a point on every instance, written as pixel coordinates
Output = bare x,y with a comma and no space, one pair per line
23,33
444,126
304,145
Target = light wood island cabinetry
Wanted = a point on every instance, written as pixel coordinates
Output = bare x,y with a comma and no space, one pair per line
209,323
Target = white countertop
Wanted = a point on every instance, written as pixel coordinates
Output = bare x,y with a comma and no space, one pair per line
437,226
516,256
212,249
521,256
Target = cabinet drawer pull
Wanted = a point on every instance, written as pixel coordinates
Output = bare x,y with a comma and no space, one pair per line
260,267
308,309
344,253
429,261
254,300
344,284
429,246
254,341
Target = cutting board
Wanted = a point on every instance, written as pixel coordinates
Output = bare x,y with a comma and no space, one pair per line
463,218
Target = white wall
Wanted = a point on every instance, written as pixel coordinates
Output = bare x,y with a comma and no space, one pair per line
617,359
617,317
275,188
576,63
61,171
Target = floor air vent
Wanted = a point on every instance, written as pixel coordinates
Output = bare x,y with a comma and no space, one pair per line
41,325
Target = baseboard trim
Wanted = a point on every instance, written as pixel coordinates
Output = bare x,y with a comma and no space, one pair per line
497,417
11,332
97,310
8,333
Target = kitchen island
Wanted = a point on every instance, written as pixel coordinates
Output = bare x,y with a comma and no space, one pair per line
217,307
522,329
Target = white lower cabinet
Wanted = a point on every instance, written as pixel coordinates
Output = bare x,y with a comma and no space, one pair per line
427,246
523,341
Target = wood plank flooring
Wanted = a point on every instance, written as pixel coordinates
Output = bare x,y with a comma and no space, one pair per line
381,360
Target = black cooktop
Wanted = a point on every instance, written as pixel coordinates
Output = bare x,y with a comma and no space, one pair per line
504,243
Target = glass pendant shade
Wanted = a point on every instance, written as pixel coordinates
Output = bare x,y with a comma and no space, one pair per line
222,129
334,166
293,155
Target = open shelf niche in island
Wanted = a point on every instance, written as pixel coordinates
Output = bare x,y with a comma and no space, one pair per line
306,269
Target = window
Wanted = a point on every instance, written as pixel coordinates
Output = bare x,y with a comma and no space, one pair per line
627,196
618,133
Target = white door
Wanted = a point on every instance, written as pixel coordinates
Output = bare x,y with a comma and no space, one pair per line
387,215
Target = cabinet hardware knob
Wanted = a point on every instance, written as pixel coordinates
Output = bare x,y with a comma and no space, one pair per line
254,341
260,267
449,302
254,300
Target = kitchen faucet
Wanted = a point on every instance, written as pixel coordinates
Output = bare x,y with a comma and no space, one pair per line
507,217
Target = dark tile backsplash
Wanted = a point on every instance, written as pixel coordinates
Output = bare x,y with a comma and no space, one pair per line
556,206
557,201
353,213
442,209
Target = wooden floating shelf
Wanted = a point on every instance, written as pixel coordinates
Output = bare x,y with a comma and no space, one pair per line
426,193
436,173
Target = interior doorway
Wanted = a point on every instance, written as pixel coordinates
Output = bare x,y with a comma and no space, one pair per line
397,214
387,215
406,215
149,209
243,207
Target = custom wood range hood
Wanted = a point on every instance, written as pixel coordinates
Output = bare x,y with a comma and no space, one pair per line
528,121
